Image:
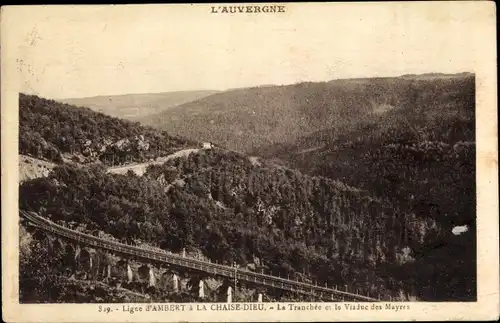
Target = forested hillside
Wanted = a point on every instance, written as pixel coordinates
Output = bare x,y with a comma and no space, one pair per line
421,157
310,228
51,130
247,119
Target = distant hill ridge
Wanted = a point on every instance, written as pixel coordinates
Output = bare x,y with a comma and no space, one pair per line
131,106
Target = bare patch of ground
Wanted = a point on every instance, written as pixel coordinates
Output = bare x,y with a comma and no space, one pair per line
30,168
382,108
254,160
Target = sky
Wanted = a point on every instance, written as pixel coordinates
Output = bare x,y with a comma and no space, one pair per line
70,52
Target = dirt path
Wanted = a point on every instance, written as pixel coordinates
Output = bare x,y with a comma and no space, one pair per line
140,169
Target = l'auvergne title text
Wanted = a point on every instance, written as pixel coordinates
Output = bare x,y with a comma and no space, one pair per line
248,9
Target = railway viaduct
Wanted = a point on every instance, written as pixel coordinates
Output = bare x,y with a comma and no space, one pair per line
91,257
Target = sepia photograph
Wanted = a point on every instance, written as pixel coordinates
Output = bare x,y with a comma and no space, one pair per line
265,159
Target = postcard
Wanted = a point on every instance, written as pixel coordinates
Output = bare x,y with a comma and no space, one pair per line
249,162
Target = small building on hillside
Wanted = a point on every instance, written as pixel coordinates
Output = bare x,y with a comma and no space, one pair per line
207,145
